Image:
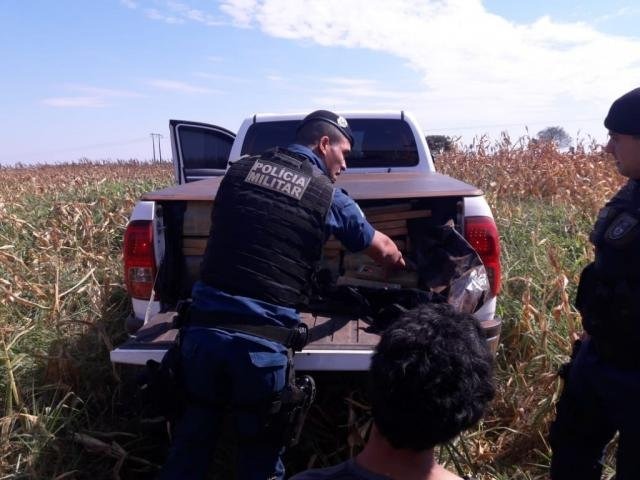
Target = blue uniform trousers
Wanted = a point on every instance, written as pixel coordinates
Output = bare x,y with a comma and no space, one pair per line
227,368
598,400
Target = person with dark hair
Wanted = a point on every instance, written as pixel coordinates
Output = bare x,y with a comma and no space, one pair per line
601,392
431,377
271,216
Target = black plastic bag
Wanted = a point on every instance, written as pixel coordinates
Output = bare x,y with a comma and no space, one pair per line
378,306
449,265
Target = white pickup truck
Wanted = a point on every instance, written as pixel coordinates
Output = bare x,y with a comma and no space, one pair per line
390,174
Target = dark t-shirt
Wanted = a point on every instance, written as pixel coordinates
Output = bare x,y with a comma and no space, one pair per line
348,470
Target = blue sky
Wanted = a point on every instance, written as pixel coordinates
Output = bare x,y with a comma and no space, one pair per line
94,79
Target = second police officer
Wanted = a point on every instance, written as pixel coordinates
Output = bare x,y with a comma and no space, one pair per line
601,395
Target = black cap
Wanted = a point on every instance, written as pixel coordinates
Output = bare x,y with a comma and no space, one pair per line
336,120
624,114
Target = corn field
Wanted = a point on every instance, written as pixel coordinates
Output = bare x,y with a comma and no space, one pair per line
67,412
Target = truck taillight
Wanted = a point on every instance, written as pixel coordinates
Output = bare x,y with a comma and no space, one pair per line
482,234
139,259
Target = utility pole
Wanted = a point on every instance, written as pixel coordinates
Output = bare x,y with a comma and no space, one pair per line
153,144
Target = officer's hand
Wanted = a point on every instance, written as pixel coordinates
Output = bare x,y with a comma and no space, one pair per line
391,268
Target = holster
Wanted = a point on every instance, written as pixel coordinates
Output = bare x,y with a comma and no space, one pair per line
289,408
296,402
160,386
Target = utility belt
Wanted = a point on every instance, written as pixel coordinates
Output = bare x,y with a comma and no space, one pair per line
286,410
293,338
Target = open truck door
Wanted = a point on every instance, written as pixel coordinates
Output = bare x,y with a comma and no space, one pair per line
199,150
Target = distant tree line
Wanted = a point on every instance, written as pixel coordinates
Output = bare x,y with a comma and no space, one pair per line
443,143
556,135
440,143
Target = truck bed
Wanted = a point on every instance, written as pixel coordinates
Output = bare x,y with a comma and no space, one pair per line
396,203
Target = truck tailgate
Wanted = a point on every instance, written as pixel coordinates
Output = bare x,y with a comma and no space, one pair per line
335,343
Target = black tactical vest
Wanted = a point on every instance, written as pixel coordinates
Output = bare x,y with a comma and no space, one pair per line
268,228
616,236
610,286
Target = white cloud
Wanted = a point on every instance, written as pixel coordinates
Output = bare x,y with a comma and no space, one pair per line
186,12
86,96
626,11
228,79
180,87
103,92
241,11
75,102
155,14
349,81
472,62
174,12
475,67
358,89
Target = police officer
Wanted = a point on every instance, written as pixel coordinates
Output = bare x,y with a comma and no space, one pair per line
271,217
601,395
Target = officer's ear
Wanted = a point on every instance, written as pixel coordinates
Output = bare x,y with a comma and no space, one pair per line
323,145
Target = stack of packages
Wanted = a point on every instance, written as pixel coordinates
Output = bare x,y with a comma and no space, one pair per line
358,269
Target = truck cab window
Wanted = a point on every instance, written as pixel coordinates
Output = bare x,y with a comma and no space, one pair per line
203,149
379,143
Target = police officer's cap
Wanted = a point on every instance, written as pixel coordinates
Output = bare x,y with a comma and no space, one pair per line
329,117
624,114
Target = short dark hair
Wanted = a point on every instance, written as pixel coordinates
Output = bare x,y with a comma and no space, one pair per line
431,377
312,131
